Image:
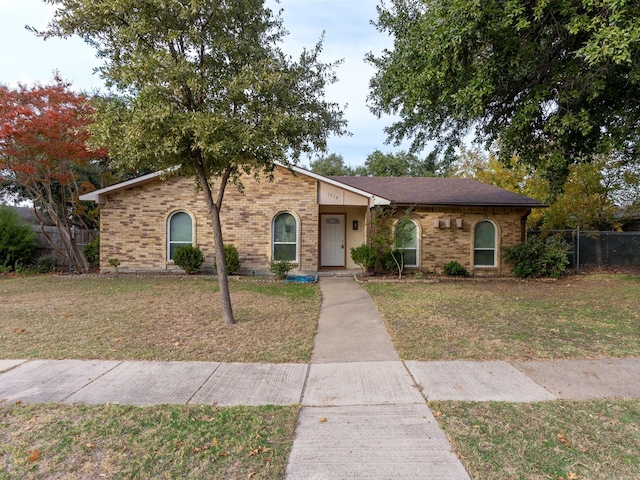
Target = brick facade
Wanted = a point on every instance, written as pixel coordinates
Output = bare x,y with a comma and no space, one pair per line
439,246
133,222
133,225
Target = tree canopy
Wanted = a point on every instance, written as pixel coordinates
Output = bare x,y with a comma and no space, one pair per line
379,164
203,86
554,81
595,195
331,164
44,155
400,164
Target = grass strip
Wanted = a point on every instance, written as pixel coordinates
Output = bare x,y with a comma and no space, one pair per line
595,440
116,442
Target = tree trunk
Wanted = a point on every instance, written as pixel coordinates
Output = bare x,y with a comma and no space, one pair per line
71,252
221,264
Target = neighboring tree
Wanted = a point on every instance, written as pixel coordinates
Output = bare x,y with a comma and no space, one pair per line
401,164
555,82
331,164
592,196
205,88
43,149
512,175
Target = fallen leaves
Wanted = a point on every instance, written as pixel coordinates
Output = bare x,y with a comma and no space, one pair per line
257,451
19,330
563,440
323,420
34,455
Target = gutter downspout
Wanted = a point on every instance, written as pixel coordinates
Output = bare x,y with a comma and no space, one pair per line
523,226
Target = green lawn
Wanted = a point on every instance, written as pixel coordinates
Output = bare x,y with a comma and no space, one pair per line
595,439
123,442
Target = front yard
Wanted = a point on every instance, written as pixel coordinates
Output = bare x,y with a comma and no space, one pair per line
178,318
582,316
155,318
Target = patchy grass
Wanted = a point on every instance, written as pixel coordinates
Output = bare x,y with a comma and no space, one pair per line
595,440
144,318
117,442
587,316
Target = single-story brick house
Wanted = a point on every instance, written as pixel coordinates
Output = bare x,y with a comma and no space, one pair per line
311,219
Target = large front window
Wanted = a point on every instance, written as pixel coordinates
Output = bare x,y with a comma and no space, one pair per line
180,232
406,241
285,237
484,244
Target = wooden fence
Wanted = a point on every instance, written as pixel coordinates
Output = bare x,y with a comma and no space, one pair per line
81,236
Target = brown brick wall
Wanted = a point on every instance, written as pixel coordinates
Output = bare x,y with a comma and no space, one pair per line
439,246
133,223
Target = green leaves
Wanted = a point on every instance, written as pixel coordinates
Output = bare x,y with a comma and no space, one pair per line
202,82
553,80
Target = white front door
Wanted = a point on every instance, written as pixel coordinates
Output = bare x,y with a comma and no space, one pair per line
333,248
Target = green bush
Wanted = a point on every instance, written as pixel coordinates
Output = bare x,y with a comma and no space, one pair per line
46,264
538,257
365,256
231,258
455,269
388,262
92,252
189,258
281,268
17,240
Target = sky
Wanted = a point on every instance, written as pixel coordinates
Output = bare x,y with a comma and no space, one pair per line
349,35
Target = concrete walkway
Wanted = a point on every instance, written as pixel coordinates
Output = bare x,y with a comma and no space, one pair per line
363,417
364,413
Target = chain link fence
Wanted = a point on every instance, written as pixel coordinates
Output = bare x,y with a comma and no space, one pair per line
589,247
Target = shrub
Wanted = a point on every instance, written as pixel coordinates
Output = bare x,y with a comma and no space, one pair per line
231,258
281,268
189,258
455,269
538,257
17,240
92,251
388,262
365,256
46,264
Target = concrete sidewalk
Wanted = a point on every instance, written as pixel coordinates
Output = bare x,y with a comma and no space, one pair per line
327,385
364,411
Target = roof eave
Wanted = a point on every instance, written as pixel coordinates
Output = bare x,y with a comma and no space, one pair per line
98,195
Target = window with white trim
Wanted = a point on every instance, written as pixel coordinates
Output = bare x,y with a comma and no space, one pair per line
179,232
285,237
484,244
406,234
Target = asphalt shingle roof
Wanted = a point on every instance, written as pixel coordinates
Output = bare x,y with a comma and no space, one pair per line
438,191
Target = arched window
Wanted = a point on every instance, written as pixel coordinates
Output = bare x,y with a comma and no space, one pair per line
406,233
484,244
285,237
179,232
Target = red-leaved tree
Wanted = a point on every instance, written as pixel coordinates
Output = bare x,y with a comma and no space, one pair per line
43,146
